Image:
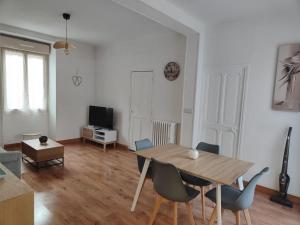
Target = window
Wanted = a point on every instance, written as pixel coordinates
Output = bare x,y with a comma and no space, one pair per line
14,79
24,80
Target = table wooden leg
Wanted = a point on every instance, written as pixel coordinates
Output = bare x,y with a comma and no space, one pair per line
140,184
203,203
219,206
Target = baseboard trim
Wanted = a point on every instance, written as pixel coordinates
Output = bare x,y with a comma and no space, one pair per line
13,146
69,141
121,146
270,192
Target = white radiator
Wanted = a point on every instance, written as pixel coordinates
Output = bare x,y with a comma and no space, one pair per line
163,132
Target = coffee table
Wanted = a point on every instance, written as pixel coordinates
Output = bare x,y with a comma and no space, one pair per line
40,156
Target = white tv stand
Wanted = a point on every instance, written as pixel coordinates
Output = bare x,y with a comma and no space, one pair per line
99,135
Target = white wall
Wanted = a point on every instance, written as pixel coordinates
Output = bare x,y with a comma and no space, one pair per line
255,43
115,61
68,105
72,102
52,96
17,122
189,85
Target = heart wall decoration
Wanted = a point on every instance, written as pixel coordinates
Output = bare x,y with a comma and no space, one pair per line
77,79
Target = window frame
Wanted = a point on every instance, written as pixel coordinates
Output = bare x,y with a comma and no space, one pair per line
26,106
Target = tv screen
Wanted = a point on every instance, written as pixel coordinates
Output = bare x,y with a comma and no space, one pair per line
101,117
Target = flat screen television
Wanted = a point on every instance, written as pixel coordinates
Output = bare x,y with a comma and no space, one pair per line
101,117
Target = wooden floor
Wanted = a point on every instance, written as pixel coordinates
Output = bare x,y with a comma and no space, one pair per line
97,188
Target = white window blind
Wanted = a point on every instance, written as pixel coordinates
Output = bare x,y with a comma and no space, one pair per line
36,81
14,79
25,80
22,44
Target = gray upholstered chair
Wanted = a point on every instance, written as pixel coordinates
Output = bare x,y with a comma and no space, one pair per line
236,200
202,146
142,145
12,161
169,187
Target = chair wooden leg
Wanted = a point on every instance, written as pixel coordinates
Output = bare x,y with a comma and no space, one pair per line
175,205
238,218
203,203
158,201
247,216
190,213
213,217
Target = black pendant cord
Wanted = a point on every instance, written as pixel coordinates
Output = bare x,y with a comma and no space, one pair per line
284,178
66,31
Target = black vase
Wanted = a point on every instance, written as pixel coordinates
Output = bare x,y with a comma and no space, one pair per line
43,139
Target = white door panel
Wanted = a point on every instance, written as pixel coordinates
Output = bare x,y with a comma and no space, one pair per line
228,143
211,135
213,96
140,107
223,109
232,99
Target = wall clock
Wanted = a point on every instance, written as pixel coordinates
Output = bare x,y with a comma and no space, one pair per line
172,71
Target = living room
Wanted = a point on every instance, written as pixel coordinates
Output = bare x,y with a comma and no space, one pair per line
176,74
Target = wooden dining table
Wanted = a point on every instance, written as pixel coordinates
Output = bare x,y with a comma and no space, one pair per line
215,168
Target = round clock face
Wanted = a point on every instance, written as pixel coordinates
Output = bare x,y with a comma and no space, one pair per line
172,71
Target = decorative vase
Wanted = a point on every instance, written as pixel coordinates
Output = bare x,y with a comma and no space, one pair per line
194,154
43,140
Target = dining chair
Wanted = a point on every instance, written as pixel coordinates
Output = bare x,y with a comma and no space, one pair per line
198,181
142,145
235,199
169,187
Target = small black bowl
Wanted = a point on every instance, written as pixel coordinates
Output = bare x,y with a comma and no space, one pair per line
43,140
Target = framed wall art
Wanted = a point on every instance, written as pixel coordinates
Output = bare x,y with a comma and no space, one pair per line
287,83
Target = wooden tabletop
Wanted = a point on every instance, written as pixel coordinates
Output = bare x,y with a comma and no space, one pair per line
217,168
11,186
35,144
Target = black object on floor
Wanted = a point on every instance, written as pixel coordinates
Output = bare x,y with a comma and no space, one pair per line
284,178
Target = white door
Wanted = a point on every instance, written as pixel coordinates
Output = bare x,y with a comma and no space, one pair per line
223,111
140,107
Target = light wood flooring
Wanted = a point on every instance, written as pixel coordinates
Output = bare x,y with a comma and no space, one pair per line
97,188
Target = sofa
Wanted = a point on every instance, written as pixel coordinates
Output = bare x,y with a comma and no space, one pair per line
11,160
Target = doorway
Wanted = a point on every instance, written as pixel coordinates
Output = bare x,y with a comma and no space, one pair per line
140,106
223,109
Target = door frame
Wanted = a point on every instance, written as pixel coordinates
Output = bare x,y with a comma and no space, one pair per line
130,102
220,69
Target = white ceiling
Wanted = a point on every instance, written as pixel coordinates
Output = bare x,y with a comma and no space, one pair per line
92,21
98,21
214,11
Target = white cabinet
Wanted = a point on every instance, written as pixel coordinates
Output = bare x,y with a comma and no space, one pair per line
102,136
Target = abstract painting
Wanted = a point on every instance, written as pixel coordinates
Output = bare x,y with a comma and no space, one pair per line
287,83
